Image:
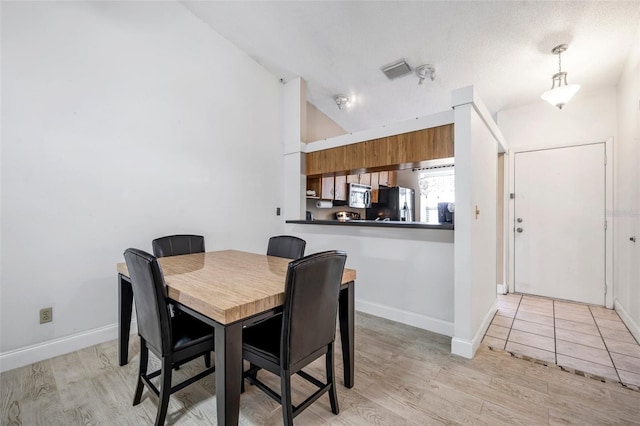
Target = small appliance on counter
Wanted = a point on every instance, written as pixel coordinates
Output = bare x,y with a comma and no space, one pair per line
345,216
446,212
395,204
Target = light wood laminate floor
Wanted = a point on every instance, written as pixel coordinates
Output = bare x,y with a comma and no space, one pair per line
584,339
404,376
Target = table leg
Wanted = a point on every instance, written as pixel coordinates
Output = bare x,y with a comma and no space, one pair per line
228,372
125,306
347,318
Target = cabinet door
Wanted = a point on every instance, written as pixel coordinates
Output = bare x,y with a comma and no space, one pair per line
387,178
365,178
374,187
353,179
327,188
340,191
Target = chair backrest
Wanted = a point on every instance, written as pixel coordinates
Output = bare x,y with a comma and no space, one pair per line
311,302
150,295
286,246
175,245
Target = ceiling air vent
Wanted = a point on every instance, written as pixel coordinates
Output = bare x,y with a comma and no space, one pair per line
397,69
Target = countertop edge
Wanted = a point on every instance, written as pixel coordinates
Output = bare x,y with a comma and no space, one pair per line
374,224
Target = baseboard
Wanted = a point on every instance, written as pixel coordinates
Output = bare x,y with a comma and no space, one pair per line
52,348
633,326
468,348
502,289
410,318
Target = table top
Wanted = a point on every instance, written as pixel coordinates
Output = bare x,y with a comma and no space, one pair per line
227,285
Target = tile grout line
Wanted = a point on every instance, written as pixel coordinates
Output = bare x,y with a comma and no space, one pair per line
605,345
555,336
506,342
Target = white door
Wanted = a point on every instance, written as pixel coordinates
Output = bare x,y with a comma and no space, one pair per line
559,247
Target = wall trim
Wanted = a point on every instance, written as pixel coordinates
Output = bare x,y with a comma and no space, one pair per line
410,318
466,348
633,327
64,345
502,289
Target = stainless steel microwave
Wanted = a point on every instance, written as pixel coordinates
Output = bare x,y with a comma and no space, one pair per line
359,196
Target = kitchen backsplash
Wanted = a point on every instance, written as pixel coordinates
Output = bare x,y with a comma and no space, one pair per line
329,214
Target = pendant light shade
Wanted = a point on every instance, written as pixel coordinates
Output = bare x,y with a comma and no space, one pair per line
560,92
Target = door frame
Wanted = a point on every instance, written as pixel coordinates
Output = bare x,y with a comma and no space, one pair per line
608,251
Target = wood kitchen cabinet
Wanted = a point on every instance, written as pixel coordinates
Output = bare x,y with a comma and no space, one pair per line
388,178
328,188
374,186
336,188
365,178
340,191
392,152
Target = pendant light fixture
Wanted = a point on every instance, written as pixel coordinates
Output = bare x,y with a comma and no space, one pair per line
560,92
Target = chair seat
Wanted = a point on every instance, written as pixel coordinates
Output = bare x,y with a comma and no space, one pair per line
189,331
259,339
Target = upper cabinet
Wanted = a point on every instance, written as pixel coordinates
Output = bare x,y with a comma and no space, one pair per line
387,178
398,151
340,190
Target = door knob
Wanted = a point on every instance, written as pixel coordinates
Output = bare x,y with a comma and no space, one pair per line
632,239
519,220
519,230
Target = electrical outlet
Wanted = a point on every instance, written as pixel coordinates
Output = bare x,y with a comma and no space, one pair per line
46,315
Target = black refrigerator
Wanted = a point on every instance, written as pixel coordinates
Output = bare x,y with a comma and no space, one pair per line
394,203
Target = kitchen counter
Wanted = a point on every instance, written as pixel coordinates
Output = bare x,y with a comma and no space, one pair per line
375,223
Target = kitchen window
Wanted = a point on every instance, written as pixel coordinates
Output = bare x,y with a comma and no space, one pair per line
436,186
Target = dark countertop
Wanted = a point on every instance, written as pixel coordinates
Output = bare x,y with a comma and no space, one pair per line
374,223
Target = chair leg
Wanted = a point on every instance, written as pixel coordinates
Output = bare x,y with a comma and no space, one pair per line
207,359
165,390
285,389
142,371
331,379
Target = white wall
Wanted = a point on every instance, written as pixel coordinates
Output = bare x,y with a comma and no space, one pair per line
319,126
627,193
589,117
405,275
122,122
477,143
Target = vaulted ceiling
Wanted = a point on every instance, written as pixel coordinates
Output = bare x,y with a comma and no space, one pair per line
503,48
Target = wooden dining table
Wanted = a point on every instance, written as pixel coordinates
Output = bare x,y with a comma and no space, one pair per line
229,290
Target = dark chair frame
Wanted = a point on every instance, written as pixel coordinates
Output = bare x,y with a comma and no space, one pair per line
175,245
286,246
299,347
156,330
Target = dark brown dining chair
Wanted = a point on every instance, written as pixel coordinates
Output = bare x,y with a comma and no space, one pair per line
174,340
286,246
285,344
175,245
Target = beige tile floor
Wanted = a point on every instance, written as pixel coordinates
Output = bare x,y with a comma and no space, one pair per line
581,338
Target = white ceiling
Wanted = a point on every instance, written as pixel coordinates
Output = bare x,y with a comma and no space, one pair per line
503,48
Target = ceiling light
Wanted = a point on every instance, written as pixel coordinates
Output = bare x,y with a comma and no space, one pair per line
424,71
342,101
563,92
